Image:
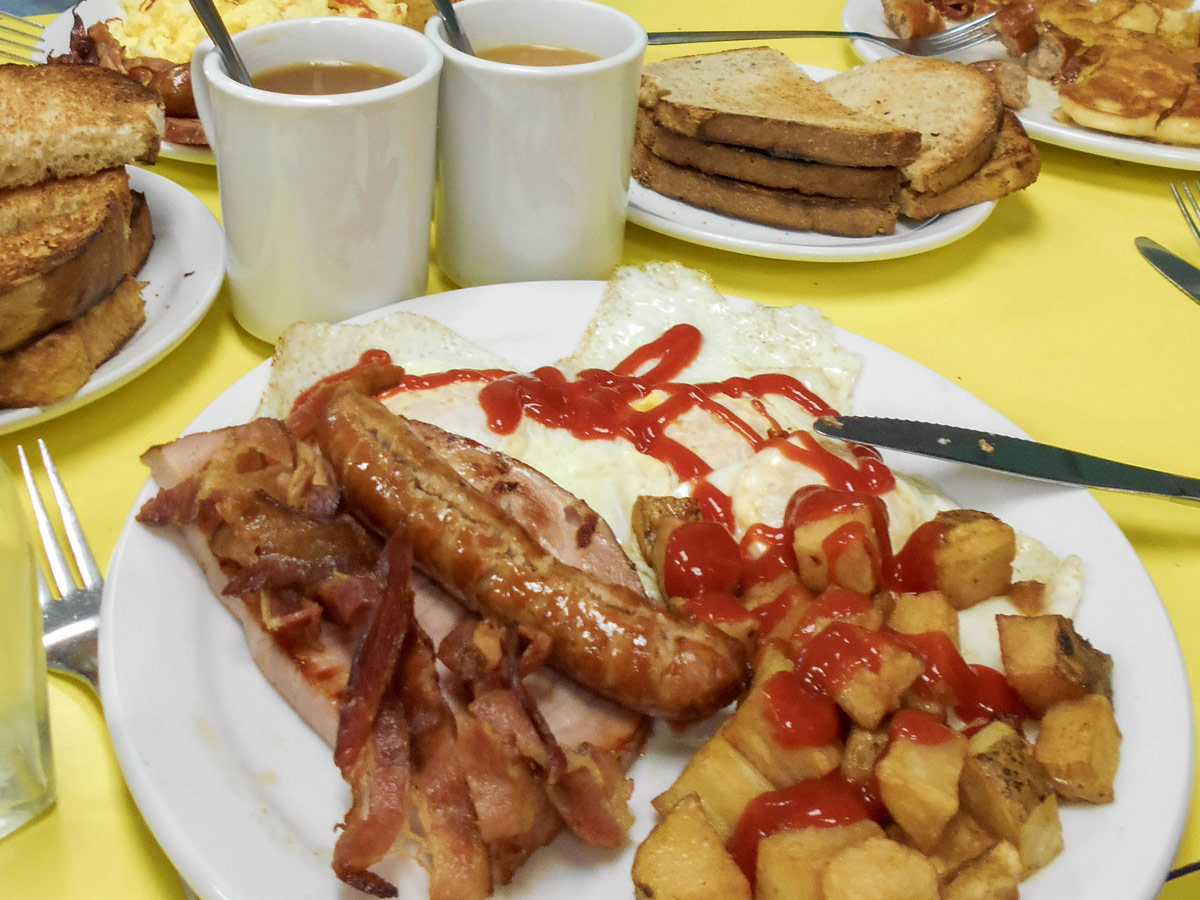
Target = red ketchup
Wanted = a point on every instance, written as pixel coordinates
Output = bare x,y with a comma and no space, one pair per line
715,505
919,727
818,802
771,614
701,557
717,608
797,716
912,570
830,658
766,554
978,694
834,603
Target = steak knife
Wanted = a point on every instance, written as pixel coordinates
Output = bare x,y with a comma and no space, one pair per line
1007,454
1182,274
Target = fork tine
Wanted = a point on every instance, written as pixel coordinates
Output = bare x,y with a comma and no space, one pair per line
84,560
960,37
54,555
1183,208
44,596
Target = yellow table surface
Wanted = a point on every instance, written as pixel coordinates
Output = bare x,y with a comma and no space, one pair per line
1046,312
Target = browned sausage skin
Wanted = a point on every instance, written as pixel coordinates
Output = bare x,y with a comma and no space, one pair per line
605,636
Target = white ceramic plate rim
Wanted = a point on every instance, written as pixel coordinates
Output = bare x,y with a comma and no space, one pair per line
182,273
57,39
1037,116
243,797
675,218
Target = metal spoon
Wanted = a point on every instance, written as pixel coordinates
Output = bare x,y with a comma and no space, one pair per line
206,10
457,37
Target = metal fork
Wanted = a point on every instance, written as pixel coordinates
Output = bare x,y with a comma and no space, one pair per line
19,39
70,623
1188,206
952,40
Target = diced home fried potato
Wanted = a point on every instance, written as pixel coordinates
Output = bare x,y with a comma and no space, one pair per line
880,869
867,696
995,875
683,858
723,779
1046,661
963,839
855,552
918,783
1005,788
791,864
652,514
863,749
973,561
919,613
753,736
1079,745
772,659
765,592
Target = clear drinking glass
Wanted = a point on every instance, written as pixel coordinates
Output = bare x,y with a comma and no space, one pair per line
26,766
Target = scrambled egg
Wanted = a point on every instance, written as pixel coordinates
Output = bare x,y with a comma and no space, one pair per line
169,29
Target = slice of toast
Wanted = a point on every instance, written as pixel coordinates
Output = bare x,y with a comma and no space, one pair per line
56,269
24,207
766,206
1013,165
756,97
59,363
956,108
759,167
60,120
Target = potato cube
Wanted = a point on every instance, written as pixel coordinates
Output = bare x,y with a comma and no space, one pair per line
765,592
1079,745
683,858
918,783
840,549
1046,661
919,613
973,560
868,695
653,514
755,738
1005,788
880,869
963,839
1142,17
723,779
791,864
995,875
863,749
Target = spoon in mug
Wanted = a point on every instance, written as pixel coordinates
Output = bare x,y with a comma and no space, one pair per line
206,11
457,37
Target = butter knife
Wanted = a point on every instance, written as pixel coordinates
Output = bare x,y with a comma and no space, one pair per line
1182,274
1007,454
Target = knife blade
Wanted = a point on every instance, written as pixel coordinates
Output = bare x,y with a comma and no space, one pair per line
1007,454
1179,272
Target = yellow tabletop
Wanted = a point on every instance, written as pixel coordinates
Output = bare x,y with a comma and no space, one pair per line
1046,313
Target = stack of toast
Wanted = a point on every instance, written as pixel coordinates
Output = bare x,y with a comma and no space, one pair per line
748,134
72,234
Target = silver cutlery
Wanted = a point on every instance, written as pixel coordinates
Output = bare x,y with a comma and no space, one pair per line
214,26
1178,271
1186,201
951,40
70,621
1007,454
19,39
454,32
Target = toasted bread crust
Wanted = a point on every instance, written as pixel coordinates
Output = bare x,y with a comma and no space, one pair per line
1013,165
58,269
25,206
766,206
141,234
756,97
63,120
60,363
856,183
956,109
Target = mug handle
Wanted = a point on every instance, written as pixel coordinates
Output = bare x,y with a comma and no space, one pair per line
200,91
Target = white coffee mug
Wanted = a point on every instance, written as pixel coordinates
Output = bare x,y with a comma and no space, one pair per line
534,161
326,200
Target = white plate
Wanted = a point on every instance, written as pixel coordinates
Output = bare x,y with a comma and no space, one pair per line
183,274
675,218
244,798
1037,116
57,39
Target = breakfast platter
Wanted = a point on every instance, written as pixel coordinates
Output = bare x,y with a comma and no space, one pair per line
242,796
182,274
1038,115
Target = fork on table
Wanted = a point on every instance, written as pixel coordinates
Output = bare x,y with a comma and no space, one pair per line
19,39
1188,205
70,622
951,40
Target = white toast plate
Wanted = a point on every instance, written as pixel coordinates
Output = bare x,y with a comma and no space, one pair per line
675,218
182,274
244,798
1038,114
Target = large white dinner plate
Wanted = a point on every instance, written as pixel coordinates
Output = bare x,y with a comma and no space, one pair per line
57,39
182,274
1038,114
675,218
244,798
